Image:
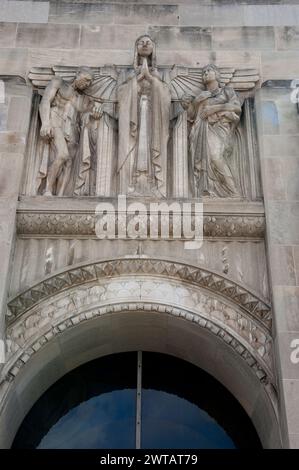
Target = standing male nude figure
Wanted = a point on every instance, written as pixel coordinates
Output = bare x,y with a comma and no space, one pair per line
60,110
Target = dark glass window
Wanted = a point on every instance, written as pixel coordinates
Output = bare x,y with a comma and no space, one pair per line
184,407
92,407
175,405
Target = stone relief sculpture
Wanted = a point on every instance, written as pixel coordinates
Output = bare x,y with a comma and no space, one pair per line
212,99
214,113
85,168
60,110
140,131
144,113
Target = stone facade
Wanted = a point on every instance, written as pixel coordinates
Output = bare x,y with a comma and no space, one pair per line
207,90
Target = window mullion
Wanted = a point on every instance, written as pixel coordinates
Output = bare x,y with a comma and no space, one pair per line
138,399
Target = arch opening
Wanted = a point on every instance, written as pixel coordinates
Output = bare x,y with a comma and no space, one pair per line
147,399
123,330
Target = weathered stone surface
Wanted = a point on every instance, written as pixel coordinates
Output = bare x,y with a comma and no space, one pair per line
282,266
185,57
280,178
281,147
71,12
247,37
221,58
146,14
291,170
16,87
286,300
189,37
12,142
274,181
283,220
13,61
8,34
279,65
294,441
17,120
29,11
291,391
48,36
296,260
231,15
89,57
287,37
107,37
13,163
239,15
265,15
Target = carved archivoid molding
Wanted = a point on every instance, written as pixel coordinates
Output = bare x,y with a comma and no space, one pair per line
235,315
244,299
24,355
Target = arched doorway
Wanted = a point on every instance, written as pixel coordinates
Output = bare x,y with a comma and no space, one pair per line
151,305
137,399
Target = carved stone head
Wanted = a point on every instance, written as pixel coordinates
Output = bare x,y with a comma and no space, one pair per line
186,100
210,73
145,48
83,78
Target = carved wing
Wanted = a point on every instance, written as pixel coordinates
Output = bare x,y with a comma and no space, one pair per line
242,80
187,80
102,88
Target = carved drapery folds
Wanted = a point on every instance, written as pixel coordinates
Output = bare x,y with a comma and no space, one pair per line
143,130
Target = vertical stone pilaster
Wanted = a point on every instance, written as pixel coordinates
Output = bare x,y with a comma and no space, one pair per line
278,127
14,121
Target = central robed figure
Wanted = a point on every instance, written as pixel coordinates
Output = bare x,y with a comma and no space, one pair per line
144,109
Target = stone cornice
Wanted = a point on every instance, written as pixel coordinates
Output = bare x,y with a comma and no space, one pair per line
65,217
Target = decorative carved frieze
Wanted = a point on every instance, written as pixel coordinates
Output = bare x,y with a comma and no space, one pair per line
43,223
247,301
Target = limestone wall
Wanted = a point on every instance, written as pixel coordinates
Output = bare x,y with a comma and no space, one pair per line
259,34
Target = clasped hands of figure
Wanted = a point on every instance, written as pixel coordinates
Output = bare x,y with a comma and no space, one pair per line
144,72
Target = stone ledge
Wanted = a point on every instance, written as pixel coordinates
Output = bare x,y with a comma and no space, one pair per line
88,204
69,217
